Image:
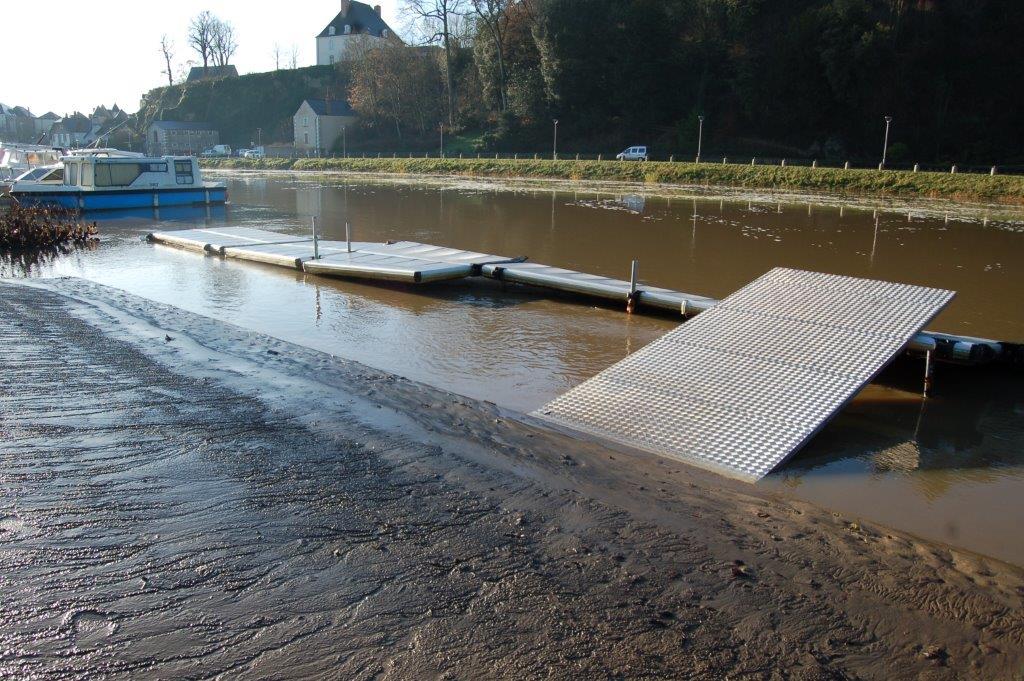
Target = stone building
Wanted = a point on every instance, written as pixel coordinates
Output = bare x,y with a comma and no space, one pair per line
319,123
180,138
357,28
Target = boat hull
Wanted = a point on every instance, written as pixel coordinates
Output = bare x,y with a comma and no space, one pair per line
125,198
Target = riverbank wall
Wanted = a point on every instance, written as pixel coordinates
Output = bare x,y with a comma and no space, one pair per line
1007,189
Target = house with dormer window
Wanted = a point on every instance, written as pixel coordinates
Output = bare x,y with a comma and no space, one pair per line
357,28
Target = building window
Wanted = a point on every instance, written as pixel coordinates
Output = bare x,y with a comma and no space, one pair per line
305,137
332,58
305,119
348,29
384,33
331,31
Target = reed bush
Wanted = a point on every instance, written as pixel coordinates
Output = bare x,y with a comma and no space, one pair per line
34,228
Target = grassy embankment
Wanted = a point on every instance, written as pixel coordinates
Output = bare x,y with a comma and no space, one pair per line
1000,188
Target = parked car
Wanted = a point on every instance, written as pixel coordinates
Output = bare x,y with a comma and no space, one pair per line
254,153
217,151
633,154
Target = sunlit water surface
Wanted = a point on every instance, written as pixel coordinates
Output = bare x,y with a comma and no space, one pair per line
950,467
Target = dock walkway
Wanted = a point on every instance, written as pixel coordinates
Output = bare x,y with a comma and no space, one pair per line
417,263
742,387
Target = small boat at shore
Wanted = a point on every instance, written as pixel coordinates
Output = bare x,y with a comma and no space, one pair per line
15,159
104,179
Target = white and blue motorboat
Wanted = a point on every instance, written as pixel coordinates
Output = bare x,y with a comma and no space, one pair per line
106,179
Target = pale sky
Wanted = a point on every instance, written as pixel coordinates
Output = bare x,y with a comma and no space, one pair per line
68,55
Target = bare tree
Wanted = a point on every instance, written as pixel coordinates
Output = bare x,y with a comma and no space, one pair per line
167,48
493,16
224,44
277,56
293,58
200,36
439,17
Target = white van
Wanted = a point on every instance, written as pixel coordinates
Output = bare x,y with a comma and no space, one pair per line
633,154
218,150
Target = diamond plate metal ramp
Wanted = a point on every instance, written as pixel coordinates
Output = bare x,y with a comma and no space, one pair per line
740,388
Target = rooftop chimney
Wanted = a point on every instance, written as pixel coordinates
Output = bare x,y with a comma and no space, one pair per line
376,8
345,6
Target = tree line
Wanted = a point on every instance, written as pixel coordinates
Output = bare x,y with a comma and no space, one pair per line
785,78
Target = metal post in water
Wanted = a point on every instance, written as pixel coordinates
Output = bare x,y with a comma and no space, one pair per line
927,372
348,236
316,242
631,299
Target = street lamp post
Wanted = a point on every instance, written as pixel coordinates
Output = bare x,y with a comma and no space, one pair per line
259,138
700,135
554,145
344,143
442,140
885,144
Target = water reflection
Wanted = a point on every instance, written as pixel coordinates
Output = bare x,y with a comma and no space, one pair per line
17,264
950,467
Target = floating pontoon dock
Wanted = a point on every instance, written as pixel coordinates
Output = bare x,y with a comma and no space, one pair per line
739,389
413,262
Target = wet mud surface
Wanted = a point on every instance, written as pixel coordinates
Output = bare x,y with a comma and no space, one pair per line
184,498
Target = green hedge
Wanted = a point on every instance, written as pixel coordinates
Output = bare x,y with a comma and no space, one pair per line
1000,188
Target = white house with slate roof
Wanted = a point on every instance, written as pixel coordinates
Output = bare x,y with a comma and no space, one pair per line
318,124
357,28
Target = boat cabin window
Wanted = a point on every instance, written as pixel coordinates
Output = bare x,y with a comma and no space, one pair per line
183,172
87,175
71,174
124,174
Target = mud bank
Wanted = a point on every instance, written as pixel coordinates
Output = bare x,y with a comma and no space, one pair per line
184,498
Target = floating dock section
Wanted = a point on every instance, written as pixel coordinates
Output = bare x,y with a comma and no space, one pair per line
744,386
416,263
405,261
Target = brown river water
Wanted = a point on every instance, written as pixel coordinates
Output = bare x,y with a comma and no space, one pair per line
949,468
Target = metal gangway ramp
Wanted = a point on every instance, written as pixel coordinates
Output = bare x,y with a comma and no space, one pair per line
743,386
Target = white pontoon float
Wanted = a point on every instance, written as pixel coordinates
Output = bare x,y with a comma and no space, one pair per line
416,263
